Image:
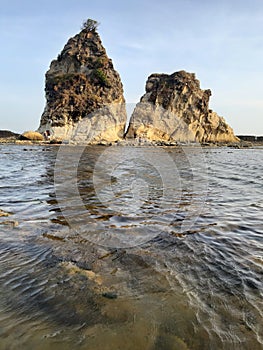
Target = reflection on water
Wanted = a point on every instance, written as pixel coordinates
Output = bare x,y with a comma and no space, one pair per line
200,288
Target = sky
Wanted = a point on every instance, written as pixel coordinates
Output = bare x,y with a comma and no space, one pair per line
221,41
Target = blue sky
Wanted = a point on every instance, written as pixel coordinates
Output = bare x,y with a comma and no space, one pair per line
220,40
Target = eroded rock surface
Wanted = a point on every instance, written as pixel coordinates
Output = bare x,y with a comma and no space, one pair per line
175,108
84,93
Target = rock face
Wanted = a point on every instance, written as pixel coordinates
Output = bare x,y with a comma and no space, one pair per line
84,94
175,108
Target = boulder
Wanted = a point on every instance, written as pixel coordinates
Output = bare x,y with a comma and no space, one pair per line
31,136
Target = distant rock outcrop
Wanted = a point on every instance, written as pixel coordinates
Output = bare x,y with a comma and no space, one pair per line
84,93
8,134
175,108
250,138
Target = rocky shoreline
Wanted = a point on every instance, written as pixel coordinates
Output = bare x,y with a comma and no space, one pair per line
245,142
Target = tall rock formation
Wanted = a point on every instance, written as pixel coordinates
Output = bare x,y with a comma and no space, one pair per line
84,94
175,108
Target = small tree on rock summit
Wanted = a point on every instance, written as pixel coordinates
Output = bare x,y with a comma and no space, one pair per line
90,24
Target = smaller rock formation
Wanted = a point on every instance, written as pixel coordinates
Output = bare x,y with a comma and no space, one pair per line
84,93
31,136
175,108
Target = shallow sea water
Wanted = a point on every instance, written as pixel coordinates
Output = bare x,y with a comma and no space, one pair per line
131,248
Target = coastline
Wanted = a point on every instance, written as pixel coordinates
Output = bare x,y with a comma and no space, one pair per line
246,141
237,145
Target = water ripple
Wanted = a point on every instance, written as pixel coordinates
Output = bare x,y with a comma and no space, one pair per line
200,289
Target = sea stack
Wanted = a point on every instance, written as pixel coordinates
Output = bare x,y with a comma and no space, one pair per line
84,93
175,108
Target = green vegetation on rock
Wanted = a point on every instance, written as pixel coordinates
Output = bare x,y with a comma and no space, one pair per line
90,24
101,76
